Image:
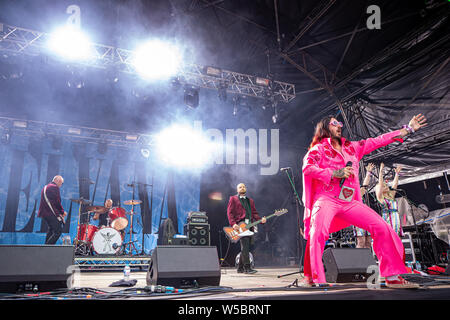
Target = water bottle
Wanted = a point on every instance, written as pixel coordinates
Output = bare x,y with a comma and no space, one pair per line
66,240
418,266
126,272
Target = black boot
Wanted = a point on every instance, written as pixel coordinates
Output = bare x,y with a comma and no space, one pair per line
240,267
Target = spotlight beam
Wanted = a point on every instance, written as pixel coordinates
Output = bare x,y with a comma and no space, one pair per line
183,147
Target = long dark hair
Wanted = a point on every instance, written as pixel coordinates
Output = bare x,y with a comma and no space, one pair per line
321,131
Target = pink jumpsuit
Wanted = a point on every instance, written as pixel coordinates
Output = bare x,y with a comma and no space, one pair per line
329,209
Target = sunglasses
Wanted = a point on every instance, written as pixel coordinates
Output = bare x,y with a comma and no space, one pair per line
336,123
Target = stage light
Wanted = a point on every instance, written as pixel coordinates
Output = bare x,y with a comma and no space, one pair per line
182,146
75,80
131,137
266,104
156,60
191,98
74,131
20,124
242,102
275,118
6,137
215,72
102,147
275,115
262,81
57,143
70,43
222,92
145,153
176,83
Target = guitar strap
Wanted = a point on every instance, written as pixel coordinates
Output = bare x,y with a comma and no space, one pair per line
48,203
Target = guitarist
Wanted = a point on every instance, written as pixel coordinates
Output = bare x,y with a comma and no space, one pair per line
51,210
242,209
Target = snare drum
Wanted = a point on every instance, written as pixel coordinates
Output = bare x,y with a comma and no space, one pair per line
107,241
86,232
118,218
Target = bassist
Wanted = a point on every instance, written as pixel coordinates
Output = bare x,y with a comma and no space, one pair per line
51,210
242,208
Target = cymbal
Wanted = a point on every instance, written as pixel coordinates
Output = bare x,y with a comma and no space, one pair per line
97,209
132,202
81,201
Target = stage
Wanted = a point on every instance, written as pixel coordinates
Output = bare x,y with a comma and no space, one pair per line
269,283
144,133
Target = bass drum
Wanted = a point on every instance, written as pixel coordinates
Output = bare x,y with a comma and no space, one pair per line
107,241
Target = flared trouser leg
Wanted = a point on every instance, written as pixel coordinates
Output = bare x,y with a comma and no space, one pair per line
387,245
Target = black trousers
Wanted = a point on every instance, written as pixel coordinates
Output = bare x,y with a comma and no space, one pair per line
244,260
54,229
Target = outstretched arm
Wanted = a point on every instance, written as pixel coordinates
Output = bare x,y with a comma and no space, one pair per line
367,146
414,124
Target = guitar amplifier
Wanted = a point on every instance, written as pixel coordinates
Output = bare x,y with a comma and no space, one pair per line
198,234
195,217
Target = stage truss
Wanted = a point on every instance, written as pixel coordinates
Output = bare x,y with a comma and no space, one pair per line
18,40
95,262
40,129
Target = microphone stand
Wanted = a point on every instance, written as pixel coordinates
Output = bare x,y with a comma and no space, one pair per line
298,203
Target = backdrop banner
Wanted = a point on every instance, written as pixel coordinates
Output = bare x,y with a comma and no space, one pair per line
28,163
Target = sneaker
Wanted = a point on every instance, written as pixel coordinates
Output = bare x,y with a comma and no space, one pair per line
401,283
306,282
240,270
250,271
321,285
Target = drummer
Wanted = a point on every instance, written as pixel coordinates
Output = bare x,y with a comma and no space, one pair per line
102,217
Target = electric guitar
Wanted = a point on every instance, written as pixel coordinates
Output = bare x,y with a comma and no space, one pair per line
62,218
244,229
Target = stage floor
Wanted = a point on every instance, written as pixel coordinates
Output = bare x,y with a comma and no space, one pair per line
268,283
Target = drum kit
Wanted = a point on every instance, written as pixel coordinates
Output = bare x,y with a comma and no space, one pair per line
104,240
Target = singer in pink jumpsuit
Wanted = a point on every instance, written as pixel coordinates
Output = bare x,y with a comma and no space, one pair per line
330,207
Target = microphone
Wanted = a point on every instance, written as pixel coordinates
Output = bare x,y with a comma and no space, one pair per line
349,164
284,169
